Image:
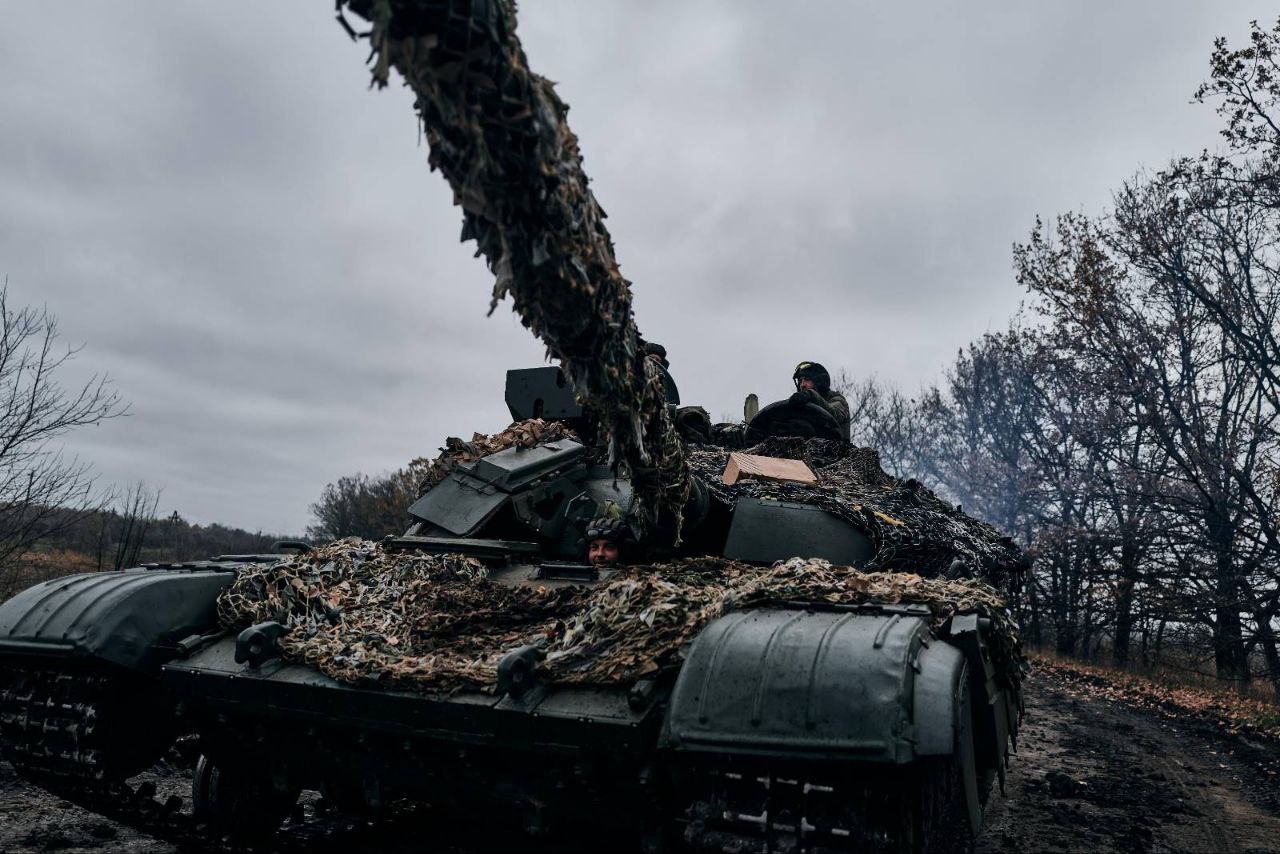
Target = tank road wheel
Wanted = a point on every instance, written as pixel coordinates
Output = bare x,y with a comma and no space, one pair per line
238,800
948,809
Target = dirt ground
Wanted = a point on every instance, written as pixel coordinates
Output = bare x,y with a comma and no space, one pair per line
1090,775
1095,775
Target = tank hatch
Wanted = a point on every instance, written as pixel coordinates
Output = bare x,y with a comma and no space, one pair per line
474,492
515,467
541,393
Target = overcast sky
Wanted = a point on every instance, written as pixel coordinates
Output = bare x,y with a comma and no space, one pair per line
249,242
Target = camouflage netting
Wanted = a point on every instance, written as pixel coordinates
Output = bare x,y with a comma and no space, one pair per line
498,134
408,620
912,528
521,434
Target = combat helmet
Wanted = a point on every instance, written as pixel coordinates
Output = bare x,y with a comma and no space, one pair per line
607,528
814,371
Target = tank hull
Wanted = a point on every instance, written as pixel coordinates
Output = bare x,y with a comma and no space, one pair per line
790,728
853,713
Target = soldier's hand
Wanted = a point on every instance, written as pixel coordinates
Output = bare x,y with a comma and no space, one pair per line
807,395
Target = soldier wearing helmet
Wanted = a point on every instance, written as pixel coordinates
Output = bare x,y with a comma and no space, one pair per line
605,538
656,353
813,385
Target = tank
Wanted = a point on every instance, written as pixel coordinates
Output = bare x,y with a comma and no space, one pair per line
792,725
792,705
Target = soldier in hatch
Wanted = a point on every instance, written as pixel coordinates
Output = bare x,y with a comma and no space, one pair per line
605,537
813,385
656,353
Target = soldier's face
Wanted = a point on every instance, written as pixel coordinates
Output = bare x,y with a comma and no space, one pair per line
805,384
602,553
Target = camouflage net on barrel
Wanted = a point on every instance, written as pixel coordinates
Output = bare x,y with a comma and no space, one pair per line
406,620
498,134
913,529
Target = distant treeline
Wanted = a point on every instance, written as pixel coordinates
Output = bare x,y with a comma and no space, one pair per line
112,540
86,541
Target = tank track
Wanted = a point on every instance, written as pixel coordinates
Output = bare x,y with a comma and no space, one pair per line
50,732
814,809
762,810
49,723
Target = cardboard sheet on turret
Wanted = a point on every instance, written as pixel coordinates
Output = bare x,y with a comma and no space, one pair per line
776,469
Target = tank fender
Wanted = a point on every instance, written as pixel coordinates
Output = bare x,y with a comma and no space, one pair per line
133,618
944,717
834,684
939,699
994,716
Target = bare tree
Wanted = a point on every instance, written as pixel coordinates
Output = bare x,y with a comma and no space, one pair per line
881,417
1120,289
134,518
1245,84
39,484
363,506
1126,428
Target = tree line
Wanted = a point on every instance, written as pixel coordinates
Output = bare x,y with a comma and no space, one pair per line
123,532
1124,426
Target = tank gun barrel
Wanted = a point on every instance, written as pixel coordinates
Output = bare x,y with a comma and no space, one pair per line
498,133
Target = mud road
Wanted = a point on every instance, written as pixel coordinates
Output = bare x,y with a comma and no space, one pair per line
1090,775
1096,775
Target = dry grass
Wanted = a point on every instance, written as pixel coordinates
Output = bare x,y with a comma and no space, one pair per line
1173,669
1223,708
36,566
